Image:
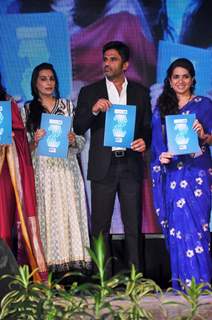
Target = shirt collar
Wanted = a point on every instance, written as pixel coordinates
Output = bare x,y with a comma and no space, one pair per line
111,84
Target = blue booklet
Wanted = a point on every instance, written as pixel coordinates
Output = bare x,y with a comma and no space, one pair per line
181,137
55,142
119,126
5,122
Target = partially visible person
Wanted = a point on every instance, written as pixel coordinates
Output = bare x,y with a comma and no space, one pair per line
182,184
114,171
59,185
18,219
196,18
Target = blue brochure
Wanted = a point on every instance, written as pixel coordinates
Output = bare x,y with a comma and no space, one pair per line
55,142
119,126
5,122
181,137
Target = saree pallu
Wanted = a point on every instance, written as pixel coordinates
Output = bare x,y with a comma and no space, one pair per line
17,199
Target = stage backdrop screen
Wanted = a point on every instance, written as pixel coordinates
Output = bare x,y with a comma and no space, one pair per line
29,39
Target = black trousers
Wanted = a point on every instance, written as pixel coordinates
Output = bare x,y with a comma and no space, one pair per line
121,181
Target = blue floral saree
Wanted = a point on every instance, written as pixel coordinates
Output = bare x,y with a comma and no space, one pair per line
182,199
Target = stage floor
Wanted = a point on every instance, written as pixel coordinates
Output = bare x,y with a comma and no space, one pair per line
165,307
180,308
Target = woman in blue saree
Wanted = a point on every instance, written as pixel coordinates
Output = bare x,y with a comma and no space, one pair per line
182,184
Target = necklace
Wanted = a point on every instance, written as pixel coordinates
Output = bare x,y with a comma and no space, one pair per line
49,107
183,101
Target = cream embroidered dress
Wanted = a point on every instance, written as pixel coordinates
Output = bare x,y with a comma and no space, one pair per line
62,205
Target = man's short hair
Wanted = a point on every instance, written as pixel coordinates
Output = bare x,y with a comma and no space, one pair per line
119,46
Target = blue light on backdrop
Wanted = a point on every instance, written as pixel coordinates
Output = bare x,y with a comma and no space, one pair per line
28,40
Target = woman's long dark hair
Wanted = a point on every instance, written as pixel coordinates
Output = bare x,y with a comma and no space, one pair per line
168,101
3,94
35,106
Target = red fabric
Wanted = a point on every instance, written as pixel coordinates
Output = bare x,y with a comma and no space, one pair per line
25,162
7,205
149,219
